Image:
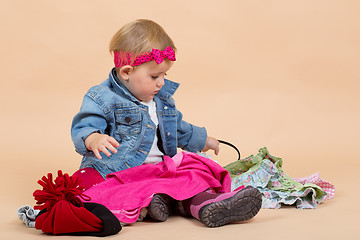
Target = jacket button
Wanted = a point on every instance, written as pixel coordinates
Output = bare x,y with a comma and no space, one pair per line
165,107
128,119
168,133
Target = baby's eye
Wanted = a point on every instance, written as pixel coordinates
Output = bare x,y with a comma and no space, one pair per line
155,77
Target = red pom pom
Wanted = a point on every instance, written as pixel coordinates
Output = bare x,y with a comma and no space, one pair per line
65,188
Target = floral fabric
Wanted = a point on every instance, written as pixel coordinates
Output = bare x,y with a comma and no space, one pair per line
265,172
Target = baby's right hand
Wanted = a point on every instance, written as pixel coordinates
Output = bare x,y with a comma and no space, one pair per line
97,143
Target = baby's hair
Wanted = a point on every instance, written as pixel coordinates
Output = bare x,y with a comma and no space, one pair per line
140,36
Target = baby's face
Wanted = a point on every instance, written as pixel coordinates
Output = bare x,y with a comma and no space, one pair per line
147,79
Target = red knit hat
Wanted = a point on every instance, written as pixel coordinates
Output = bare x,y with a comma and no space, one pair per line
63,212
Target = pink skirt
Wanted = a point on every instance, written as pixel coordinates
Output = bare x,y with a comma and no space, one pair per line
126,192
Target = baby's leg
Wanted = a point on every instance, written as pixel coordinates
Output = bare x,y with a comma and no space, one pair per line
89,177
215,209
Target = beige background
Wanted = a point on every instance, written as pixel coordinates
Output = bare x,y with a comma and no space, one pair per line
281,74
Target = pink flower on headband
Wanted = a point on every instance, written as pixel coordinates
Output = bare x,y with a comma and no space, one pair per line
124,58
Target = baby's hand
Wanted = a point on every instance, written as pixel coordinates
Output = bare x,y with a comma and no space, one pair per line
211,143
97,143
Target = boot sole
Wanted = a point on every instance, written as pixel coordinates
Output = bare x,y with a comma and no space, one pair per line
243,206
158,208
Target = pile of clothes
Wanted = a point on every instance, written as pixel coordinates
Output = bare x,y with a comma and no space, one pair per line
265,172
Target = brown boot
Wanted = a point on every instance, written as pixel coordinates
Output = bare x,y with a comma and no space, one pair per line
160,206
243,206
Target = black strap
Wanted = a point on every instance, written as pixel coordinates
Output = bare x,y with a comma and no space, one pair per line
160,142
227,143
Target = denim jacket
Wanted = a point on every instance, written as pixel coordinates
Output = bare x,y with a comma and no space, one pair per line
111,109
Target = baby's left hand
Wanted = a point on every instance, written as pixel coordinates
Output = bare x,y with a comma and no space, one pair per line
211,143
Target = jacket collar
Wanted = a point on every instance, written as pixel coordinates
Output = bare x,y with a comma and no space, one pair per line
167,91
119,88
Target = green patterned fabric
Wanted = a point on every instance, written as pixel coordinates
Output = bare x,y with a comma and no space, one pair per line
265,172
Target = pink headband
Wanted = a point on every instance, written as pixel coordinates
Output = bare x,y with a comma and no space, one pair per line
124,58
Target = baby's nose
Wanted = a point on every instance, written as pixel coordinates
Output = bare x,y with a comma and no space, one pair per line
160,82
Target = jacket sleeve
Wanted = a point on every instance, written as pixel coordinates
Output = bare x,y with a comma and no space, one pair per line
190,137
91,118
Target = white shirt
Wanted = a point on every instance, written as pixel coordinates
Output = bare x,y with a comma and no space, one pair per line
155,155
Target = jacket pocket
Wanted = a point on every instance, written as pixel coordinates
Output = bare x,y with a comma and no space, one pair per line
128,121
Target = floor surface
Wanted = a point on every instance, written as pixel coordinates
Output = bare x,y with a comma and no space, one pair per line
281,74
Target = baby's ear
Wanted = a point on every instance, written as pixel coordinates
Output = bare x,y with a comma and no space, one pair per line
125,71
